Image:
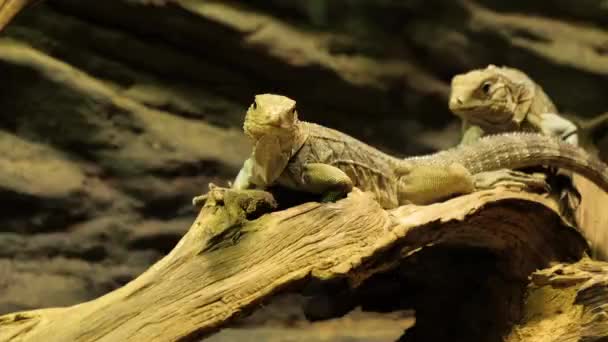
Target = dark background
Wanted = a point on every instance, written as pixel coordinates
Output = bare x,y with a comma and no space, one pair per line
115,113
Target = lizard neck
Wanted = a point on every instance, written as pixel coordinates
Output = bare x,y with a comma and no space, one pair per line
533,102
299,135
285,142
540,104
523,103
273,151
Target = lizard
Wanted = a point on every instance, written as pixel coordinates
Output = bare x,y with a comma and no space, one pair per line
312,158
503,99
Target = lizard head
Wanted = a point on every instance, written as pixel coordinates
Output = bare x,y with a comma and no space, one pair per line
492,97
270,114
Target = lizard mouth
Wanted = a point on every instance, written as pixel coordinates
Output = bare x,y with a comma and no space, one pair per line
492,121
463,109
480,115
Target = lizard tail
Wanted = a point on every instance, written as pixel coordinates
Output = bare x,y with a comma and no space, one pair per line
518,150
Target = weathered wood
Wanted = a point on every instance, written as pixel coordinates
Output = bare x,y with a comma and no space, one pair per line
592,217
566,303
226,264
355,326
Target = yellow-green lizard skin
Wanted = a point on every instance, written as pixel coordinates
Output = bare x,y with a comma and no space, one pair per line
503,99
312,158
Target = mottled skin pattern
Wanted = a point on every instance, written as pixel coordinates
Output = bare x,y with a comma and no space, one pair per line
517,150
353,163
312,158
501,99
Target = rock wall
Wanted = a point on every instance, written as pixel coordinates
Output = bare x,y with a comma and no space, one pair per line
115,113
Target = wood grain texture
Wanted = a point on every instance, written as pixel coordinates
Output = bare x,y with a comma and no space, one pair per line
592,217
226,263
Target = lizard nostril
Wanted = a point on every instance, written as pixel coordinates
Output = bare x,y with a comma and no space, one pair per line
456,101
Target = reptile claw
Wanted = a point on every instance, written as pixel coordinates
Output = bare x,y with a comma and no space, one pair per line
200,200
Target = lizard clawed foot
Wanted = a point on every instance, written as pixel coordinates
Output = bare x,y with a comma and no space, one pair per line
199,201
511,179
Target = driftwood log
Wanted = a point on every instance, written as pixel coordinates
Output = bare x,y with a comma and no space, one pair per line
238,253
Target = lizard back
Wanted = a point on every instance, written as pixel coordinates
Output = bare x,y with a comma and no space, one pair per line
369,168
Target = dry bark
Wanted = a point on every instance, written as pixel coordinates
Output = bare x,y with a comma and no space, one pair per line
566,303
592,217
231,259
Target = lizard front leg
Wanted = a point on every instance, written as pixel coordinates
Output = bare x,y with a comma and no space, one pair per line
243,179
426,184
200,200
329,181
470,133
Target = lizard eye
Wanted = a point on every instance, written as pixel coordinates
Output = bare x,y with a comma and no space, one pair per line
486,88
255,105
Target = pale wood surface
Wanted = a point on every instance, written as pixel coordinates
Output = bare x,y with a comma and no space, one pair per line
566,303
226,264
592,217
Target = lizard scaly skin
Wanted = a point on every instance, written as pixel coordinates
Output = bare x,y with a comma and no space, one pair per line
316,159
503,99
